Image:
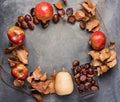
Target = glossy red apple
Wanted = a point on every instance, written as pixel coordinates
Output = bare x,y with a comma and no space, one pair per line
19,71
16,35
44,11
97,40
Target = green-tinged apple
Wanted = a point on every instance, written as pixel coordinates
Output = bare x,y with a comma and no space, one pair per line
19,71
97,40
44,11
16,35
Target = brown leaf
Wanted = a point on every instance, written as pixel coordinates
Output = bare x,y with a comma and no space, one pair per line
13,61
99,71
38,97
113,55
94,54
39,86
97,28
112,63
35,75
92,10
43,77
104,68
51,87
112,45
89,3
11,48
79,15
18,83
92,24
59,5
22,54
104,54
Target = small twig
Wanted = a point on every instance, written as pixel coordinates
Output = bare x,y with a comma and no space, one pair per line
107,33
1,65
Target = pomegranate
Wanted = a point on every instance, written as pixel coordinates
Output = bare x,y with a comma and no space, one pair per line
97,40
44,11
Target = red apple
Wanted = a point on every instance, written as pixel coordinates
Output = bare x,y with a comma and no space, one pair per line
16,35
97,40
44,11
19,71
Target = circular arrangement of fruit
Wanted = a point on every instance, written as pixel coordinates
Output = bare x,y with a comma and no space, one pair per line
103,57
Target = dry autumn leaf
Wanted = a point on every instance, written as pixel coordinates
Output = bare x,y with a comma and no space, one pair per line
18,83
22,54
59,5
38,98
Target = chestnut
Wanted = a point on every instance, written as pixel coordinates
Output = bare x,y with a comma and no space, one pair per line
69,11
32,12
27,18
18,24
55,18
71,19
35,20
94,88
20,19
61,12
90,71
83,78
24,25
30,25
75,63
82,25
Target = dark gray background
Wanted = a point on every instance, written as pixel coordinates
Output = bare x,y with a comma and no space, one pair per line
57,46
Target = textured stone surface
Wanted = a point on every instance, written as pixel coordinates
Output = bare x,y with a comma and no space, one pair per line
57,46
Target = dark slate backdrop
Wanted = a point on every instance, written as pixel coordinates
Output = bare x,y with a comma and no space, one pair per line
57,46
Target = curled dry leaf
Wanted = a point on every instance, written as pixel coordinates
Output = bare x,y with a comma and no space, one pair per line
37,75
39,86
113,56
96,63
104,68
38,97
79,15
43,77
11,48
85,19
45,86
22,54
13,61
112,45
18,83
87,14
99,71
97,28
59,5
92,24
92,10
94,54
51,85
103,60
104,54
89,3
112,63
